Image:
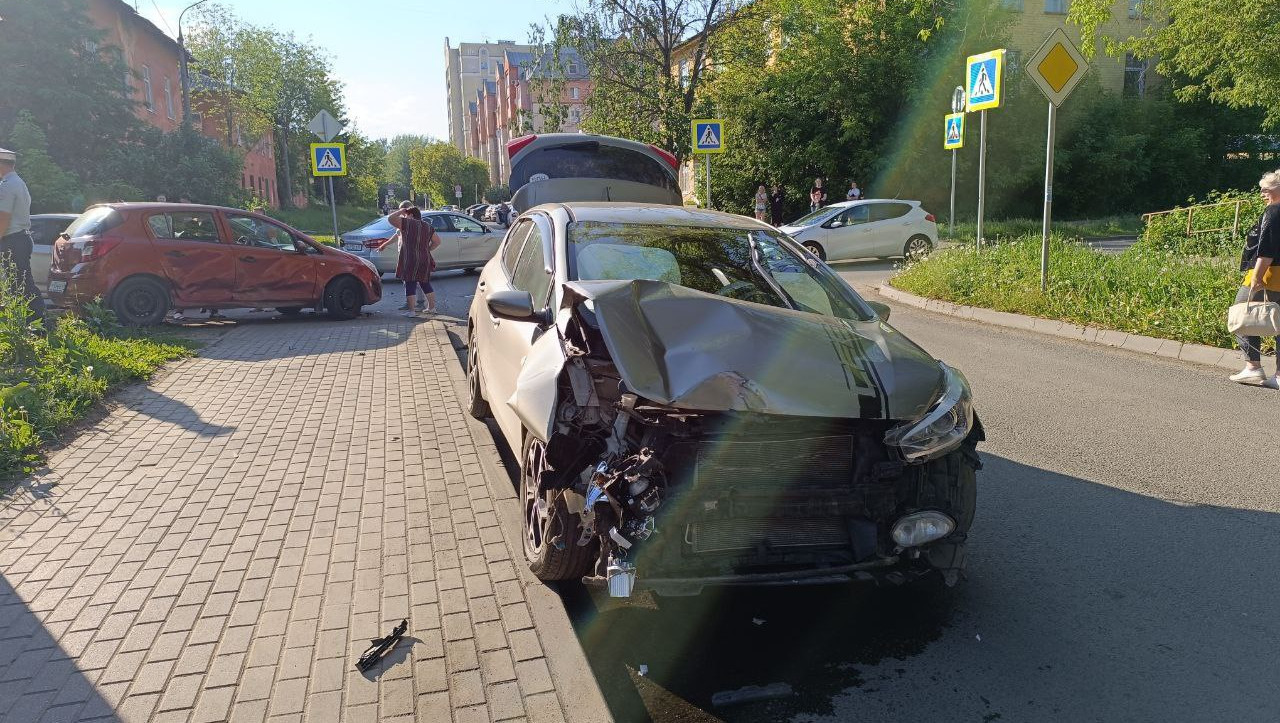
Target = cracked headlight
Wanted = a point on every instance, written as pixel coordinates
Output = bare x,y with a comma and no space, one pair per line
942,428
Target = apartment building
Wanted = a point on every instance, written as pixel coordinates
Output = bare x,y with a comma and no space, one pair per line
467,67
1035,19
154,82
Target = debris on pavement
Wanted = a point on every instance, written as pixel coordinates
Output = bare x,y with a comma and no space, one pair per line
644,669
379,646
751,694
758,621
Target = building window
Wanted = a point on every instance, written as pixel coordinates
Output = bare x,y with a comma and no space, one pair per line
1014,5
574,93
251,183
1135,76
168,97
268,190
147,99
1057,7
128,83
684,72
573,68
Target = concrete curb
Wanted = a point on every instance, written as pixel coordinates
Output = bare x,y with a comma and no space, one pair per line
1167,348
574,680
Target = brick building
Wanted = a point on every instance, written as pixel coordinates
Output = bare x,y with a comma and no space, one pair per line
154,82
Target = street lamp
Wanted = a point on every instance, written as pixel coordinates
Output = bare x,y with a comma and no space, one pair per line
182,61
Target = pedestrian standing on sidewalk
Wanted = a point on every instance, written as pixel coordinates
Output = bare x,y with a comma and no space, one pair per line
762,203
417,240
1261,280
16,243
777,205
817,196
854,193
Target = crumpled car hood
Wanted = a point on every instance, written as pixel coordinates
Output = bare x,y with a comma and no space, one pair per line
693,350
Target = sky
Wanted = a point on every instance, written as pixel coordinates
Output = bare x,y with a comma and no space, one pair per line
381,47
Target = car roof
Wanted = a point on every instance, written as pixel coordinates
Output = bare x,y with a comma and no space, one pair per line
859,202
657,214
71,216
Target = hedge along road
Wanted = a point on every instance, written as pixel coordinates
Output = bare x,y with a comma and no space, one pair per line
1122,565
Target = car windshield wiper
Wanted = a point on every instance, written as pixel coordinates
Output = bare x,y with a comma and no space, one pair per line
764,273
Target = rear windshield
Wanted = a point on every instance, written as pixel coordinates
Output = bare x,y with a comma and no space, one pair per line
591,159
97,220
380,225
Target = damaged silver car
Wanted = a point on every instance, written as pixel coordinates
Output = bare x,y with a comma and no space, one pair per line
696,400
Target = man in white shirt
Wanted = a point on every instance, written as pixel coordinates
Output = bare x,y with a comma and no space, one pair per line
15,231
854,193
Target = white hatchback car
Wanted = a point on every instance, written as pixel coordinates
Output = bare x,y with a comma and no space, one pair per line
870,228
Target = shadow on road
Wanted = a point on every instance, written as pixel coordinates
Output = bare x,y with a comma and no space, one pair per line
145,400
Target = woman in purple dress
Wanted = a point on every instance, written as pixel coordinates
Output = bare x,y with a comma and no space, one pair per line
417,240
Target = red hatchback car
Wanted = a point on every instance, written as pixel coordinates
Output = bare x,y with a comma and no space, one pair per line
144,259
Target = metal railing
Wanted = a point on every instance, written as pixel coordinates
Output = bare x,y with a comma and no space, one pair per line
1191,211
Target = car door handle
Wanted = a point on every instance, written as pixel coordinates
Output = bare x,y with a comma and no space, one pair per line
175,254
249,259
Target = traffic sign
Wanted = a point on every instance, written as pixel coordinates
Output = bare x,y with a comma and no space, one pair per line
953,135
708,135
1057,67
325,126
328,159
457,191
985,76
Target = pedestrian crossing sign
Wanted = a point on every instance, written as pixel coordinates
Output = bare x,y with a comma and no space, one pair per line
953,138
708,135
328,159
985,77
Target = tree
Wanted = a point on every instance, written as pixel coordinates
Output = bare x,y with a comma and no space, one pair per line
56,69
439,166
268,81
365,160
53,190
1225,50
396,170
633,50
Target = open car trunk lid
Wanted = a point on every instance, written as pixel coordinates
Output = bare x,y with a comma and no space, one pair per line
563,167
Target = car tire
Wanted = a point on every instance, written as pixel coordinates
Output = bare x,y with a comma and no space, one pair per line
816,249
476,405
140,301
290,310
343,298
917,247
552,552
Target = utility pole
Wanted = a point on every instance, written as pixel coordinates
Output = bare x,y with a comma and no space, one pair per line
182,62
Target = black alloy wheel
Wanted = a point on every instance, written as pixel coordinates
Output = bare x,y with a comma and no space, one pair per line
140,301
343,298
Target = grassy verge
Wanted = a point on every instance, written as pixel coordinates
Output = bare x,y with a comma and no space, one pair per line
318,218
1006,229
1141,291
48,383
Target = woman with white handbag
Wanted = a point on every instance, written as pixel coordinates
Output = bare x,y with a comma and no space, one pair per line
1256,312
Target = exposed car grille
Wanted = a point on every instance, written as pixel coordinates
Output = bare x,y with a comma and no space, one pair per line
746,534
794,463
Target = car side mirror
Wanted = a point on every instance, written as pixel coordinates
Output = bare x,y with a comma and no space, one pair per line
486,229
833,223
882,310
512,304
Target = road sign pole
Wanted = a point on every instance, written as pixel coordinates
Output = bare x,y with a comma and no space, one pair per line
707,159
951,217
982,173
1048,197
333,207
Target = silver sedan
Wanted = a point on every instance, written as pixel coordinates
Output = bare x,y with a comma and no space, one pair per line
464,242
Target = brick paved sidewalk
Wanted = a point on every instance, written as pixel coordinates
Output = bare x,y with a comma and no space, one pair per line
225,542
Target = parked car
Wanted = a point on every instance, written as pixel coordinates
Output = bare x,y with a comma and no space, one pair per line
695,400
478,211
866,229
464,242
45,228
143,259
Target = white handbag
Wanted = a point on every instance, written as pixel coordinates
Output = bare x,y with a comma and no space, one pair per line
1254,318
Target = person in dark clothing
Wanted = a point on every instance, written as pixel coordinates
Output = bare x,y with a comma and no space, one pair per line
777,204
1261,280
817,195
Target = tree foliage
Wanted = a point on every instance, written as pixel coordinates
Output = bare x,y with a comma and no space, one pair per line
397,173
633,49
438,166
1224,49
53,188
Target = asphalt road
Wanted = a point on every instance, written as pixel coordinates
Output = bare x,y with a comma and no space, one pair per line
1123,564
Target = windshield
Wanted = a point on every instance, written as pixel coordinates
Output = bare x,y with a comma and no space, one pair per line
814,217
713,260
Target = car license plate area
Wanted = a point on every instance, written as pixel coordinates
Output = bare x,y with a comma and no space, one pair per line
353,246
57,287
733,535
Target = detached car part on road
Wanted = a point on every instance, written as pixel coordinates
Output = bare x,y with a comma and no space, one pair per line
696,400
143,259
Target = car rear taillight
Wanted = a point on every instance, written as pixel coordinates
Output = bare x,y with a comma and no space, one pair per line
666,156
929,217
95,247
516,144
376,244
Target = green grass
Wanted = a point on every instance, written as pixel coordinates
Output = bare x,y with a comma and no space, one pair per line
1142,291
318,219
48,383
1005,229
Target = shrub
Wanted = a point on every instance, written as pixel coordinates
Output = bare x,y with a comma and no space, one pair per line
1168,232
1141,291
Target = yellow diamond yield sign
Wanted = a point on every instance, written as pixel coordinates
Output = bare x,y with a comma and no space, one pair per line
1057,67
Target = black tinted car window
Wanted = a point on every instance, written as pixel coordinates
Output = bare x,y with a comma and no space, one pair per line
184,226
531,269
511,249
591,160
886,211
